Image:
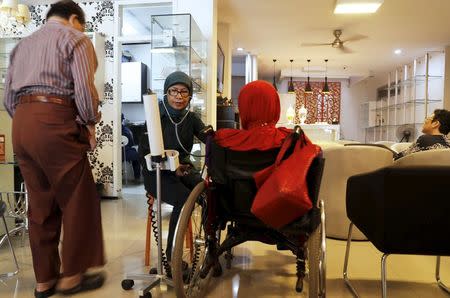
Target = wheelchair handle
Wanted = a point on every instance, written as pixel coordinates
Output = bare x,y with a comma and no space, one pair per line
207,130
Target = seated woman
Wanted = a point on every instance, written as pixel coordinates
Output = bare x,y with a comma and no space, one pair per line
259,110
179,126
435,129
131,153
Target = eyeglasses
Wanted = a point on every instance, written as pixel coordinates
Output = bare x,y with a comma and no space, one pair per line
175,92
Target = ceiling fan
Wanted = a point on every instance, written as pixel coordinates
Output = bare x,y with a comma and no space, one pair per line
337,43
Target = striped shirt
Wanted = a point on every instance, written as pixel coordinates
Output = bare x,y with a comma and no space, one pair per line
56,60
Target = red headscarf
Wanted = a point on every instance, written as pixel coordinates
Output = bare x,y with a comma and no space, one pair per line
259,109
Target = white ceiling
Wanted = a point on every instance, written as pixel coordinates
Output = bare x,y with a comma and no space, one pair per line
276,28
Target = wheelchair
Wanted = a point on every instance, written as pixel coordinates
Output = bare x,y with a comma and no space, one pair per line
223,202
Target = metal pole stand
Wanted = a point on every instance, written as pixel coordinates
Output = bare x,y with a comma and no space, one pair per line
153,280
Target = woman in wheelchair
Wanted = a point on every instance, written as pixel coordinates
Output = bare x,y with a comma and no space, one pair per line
233,156
259,110
179,126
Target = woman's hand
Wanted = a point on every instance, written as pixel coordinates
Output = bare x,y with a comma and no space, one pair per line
183,170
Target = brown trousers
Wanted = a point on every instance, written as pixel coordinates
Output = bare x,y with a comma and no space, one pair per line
51,150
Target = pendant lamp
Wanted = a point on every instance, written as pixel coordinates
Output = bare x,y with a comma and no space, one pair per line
308,89
326,89
291,84
273,83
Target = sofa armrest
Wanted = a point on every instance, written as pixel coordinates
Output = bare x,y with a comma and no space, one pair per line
403,209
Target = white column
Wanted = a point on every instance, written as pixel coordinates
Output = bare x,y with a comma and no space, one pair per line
251,68
254,67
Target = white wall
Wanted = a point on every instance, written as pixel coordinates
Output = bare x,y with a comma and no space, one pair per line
224,38
205,15
238,66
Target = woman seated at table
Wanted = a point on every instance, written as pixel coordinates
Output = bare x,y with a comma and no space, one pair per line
435,129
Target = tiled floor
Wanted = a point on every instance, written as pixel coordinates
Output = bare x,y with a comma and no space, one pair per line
258,270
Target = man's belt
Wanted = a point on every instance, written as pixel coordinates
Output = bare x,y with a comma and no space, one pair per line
46,99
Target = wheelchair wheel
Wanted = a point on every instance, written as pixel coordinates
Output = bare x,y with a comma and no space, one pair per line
190,247
317,259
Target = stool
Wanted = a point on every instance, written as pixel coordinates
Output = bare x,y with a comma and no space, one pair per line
148,238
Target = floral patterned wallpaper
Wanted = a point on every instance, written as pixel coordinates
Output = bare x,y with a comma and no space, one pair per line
99,18
320,108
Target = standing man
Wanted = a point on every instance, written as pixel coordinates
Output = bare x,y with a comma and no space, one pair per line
51,96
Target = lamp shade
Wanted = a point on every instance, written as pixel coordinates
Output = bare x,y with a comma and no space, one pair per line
291,86
9,5
326,89
308,89
23,14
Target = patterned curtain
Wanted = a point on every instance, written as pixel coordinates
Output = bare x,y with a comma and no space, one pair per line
321,108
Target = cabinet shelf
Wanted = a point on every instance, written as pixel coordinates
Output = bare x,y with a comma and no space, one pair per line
391,125
408,102
418,80
180,54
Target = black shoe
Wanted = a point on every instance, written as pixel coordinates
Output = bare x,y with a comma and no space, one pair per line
88,282
299,283
46,293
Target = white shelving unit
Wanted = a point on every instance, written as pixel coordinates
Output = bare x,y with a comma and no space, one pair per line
413,92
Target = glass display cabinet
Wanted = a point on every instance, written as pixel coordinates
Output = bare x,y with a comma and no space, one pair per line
178,44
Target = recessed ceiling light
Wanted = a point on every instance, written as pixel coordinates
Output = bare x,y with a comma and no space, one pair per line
240,49
398,51
357,6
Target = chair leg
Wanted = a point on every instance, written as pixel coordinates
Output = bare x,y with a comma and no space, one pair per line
347,254
11,248
383,276
438,277
323,259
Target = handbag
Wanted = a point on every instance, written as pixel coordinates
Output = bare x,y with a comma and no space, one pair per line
282,194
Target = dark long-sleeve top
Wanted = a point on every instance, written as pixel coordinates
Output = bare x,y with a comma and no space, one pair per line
56,60
426,142
190,127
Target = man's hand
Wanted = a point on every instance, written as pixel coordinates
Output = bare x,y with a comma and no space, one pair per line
183,170
92,139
